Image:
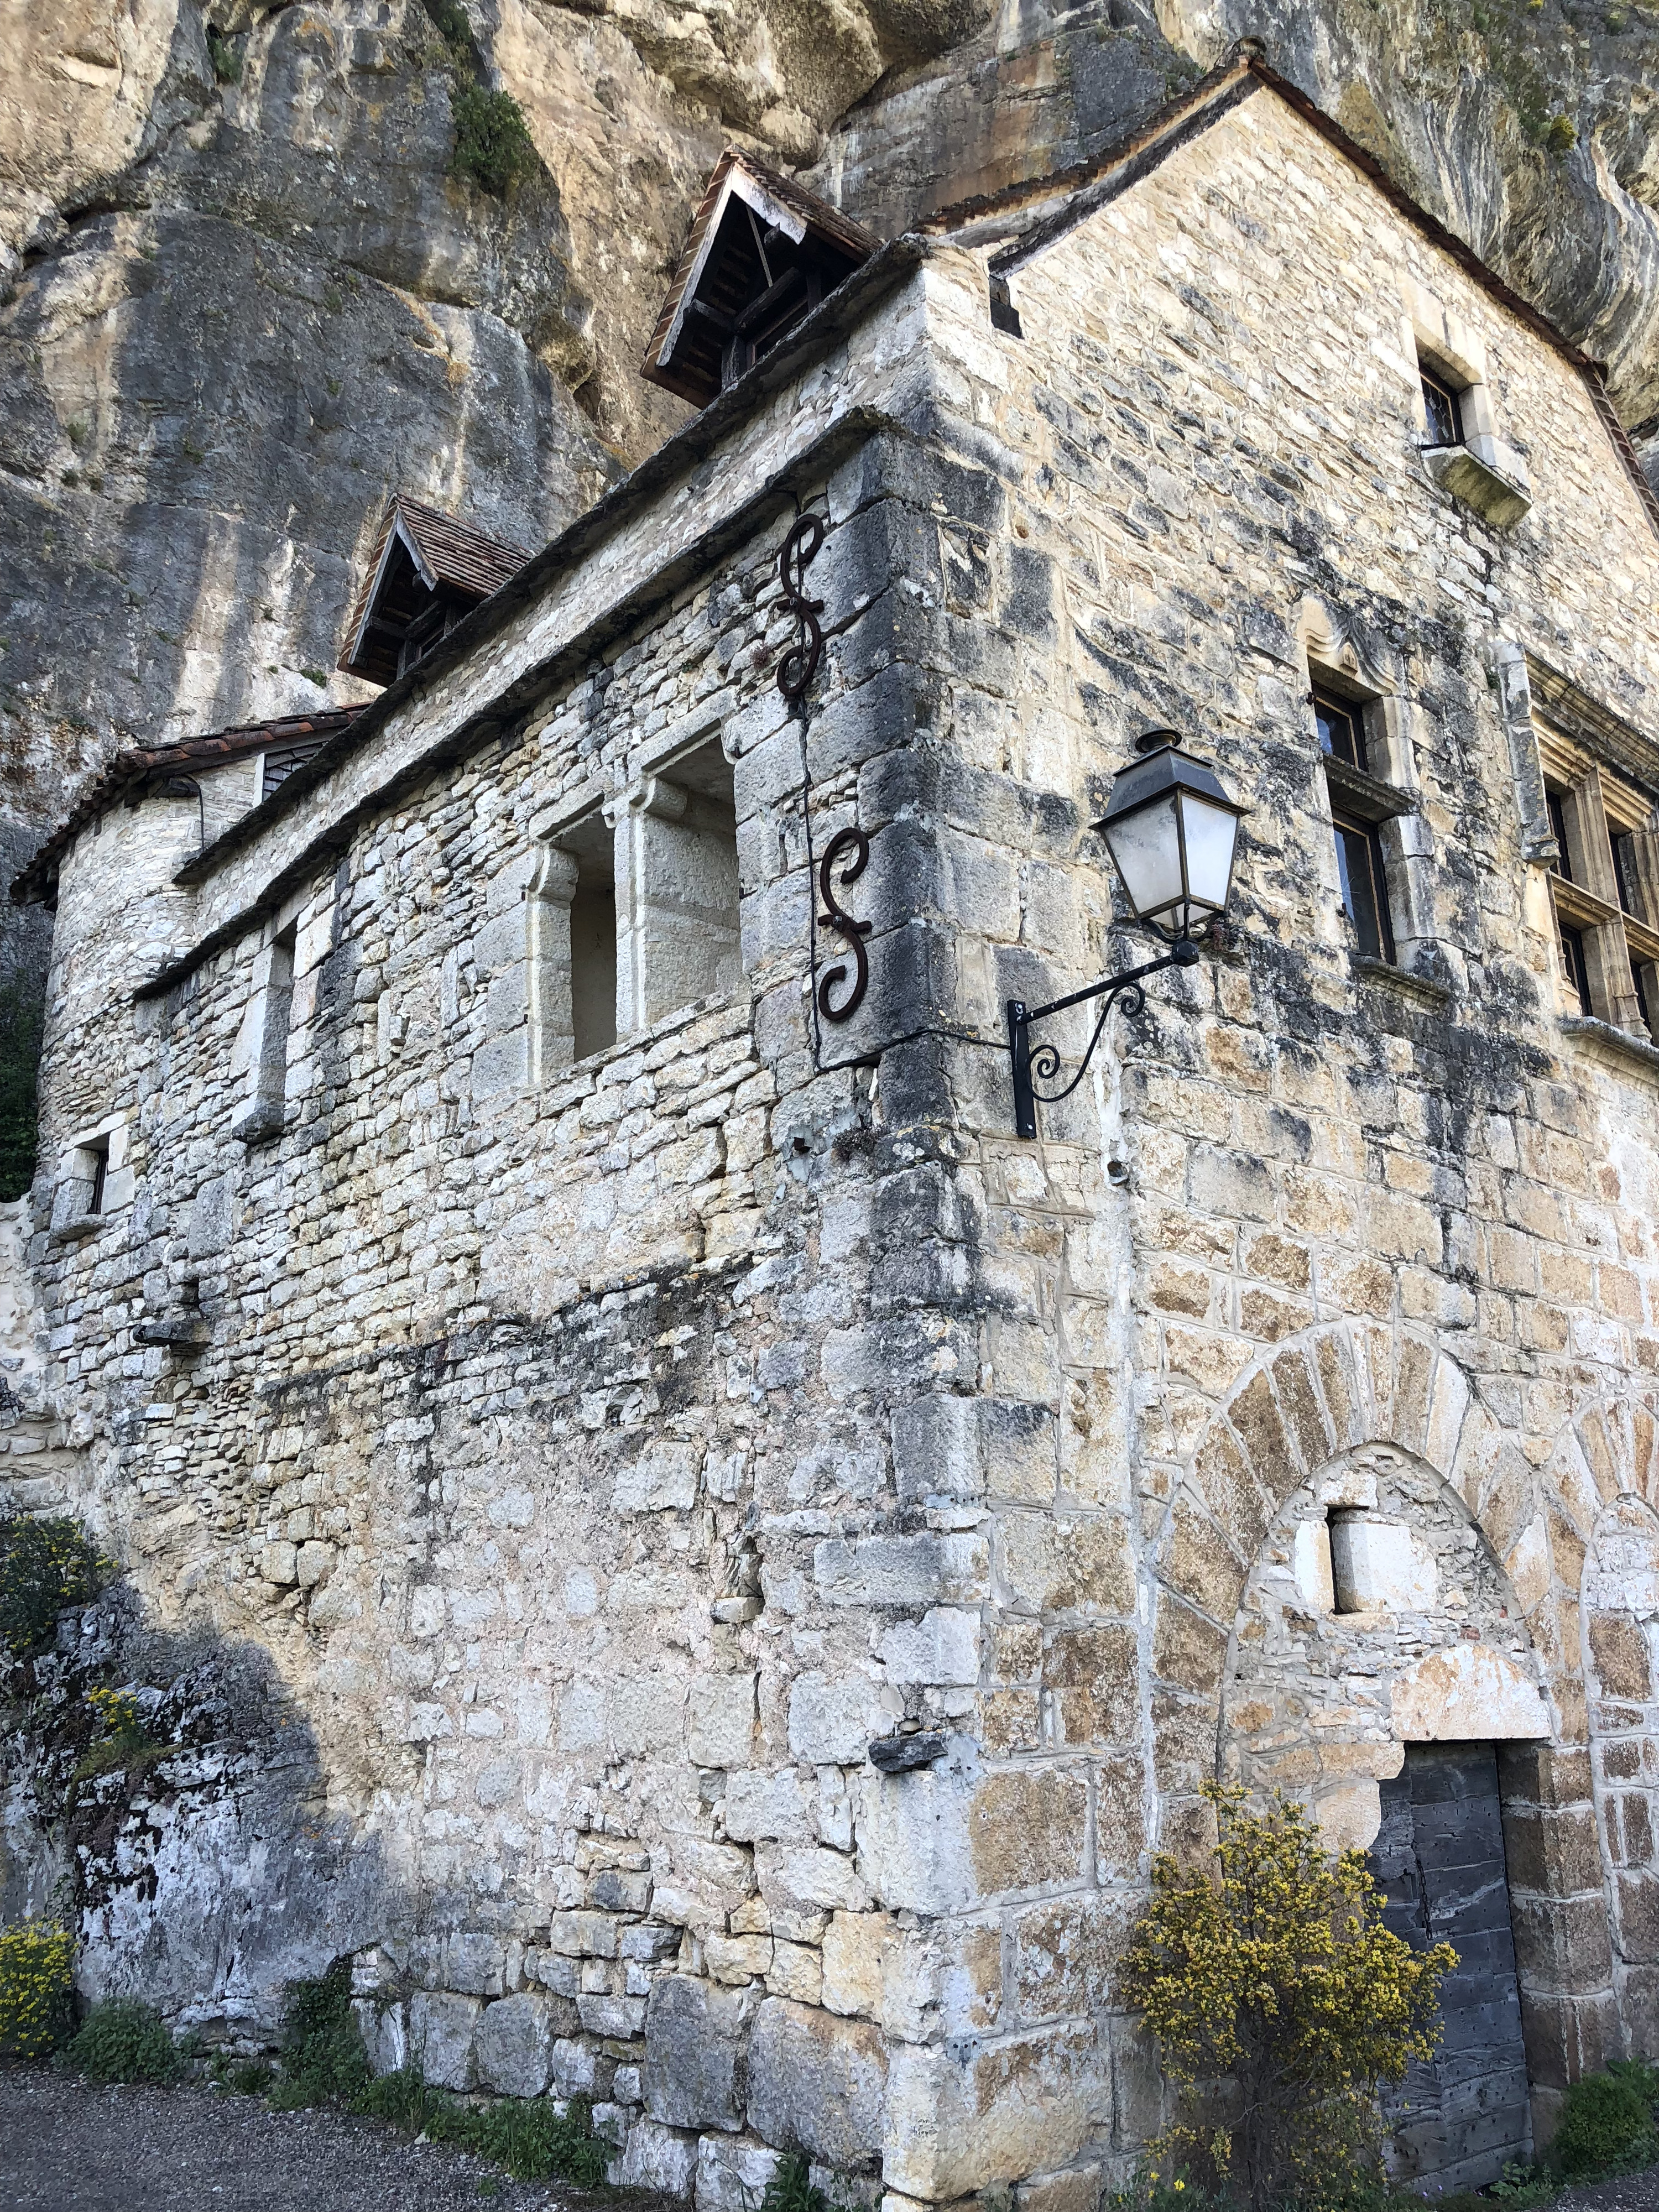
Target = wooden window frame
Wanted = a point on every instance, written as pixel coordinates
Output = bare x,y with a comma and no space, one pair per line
1437,384
1590,805
1361,803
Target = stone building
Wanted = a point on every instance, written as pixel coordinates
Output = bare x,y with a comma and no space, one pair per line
748,1555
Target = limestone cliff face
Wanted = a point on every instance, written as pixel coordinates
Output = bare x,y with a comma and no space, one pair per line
248,296
1530,127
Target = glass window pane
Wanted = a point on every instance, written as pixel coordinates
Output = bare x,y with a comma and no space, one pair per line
1557,806
1147,850
1623,866
1210,834
1575,968
1341,730
1445,416
1356,862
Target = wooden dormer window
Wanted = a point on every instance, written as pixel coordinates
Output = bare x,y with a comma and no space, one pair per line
762,254
426,575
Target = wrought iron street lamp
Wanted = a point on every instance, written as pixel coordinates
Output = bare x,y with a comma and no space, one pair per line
1172,833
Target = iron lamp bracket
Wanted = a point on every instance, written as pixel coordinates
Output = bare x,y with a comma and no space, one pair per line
1044,1064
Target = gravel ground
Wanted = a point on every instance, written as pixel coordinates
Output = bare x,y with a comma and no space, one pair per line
67,2144
1631,2192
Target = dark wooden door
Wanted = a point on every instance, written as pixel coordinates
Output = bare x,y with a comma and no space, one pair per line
1439,1858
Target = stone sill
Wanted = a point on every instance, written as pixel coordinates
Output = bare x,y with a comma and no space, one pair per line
1603,1040
1478,484
260,1125
1384,975
78,1227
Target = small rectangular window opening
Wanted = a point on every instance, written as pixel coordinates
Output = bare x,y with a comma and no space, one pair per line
97,1161
1562,866
1005,315
1341,729
279,1014
1623,868
1576,967
1443,406
594,965
1364,887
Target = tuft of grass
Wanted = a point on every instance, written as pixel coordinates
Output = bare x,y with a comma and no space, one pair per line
124,2040
1607,2123
1560,135
225,56
493,145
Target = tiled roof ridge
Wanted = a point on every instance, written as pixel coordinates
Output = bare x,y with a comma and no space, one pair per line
135,764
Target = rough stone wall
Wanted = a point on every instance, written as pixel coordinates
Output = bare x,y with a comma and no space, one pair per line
1349,1207
611,1462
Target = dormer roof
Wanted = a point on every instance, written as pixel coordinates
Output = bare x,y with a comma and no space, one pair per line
426,564
762,253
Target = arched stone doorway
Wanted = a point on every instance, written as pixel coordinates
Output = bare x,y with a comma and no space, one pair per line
1314,1399
1378,1663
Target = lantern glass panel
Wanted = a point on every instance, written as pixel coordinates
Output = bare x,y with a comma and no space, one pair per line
1212,833
1145,849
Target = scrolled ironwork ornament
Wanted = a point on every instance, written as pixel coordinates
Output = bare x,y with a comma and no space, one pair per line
845,843
800,664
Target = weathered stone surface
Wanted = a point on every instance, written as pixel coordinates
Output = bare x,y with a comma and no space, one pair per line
818,2083
443,2029
694,2074
514,2045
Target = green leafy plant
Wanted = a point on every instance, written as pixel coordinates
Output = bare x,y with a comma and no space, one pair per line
323,2061
21,1014
37,1970
1560,135
527,2135
124,2040
123,1744
225,56
1606,2124
45,1565
1280,2004
492,144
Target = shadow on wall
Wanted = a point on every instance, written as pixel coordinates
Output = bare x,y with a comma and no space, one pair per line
183,1834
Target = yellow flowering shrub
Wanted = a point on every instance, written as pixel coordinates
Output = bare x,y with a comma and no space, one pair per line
1280,2002
37,1963
117,1712
45,1565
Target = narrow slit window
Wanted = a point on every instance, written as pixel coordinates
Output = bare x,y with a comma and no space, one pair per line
1341,729
1364,887
98,1161
1576,967
593,966
279,1016
1443,406
1624,869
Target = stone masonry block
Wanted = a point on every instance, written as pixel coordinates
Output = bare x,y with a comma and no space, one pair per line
659,2158
936,1449
1028,1827
733,2173
831,1723
441,2029
818,2083
515,2045
696,2054
721,1720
